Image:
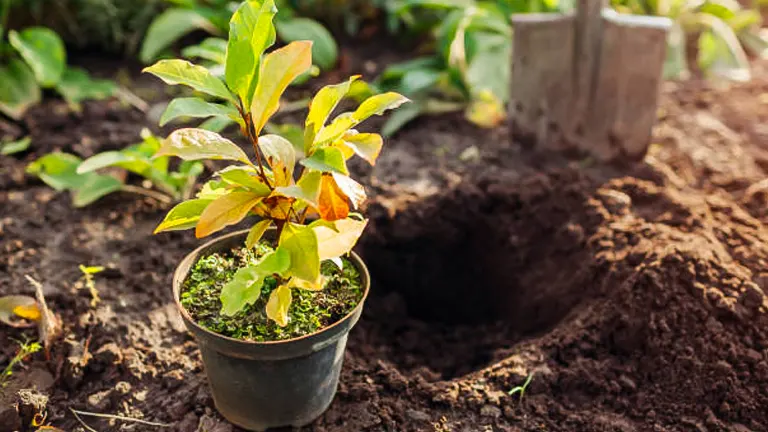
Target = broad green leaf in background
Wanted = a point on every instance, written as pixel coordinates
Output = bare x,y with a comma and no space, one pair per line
324,50
245,286
256,232
285,64
177,71
195,107
327,159
76,86
57,170
216,124
211,49
224,211
720,52
18,89
95,186
169,27
103,160
301,242
183,216
250,34
756,42
12,147
43,51
400,118
278,304
337,238
194,144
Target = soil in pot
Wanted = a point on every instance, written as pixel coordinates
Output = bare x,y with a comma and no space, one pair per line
310,311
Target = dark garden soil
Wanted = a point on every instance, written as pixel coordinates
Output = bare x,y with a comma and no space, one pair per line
634,296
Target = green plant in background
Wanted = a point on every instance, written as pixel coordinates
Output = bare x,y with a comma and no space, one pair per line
521,389
26,349
724,32
212,16
35,59
283,187
470,68
67,172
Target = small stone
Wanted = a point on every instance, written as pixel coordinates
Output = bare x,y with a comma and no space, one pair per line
100,401
123,387
490,411
627,383
419,416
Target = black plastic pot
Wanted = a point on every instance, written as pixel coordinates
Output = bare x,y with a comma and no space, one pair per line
260,385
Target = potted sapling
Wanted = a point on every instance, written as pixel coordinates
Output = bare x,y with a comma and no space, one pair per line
271,306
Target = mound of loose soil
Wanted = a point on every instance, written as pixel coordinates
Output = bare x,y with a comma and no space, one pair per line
635,297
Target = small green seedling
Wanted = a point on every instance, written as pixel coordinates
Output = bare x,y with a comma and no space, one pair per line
88,282
284,187
26,348
64,171
521,389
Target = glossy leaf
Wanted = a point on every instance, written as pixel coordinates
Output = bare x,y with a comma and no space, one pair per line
324,50
301,242
18,89
256,232
250,34
278,304
103,160
195,144
306,189
337,238
245,286
282,66
322,105
195,107
224,211
245,176
168,27
43,51
280,156
374,105
333,204
183,216
328,159
176,72
352,189
366,145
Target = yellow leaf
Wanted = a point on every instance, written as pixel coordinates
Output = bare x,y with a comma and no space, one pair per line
352,189
366,145
226,210
317,285
332,203
278,70
30,312
337,238
301,242
324,102
486,110
20,306
278,304
256,232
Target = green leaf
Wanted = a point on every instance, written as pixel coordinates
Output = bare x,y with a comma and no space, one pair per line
245,176
250,33
176,71
282,66
307,188
12,147
400,118
95,187
328,159
226,210
183,216
212,49
57,170
256,232
18,89
245,286
195,144
43,51
195,107
366,145
337,238
324,50
213,189
77,86
103,160
168,27
278,304
322,105
216,124
676,62
301,242
374,105
489,70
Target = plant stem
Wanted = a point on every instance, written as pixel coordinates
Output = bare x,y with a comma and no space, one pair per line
163,198
251,135
119,417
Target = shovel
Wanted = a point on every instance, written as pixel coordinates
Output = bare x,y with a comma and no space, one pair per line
587,81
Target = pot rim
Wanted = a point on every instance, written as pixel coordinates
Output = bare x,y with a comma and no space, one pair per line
178,280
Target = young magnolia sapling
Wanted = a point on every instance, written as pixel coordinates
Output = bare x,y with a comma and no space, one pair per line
285,187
